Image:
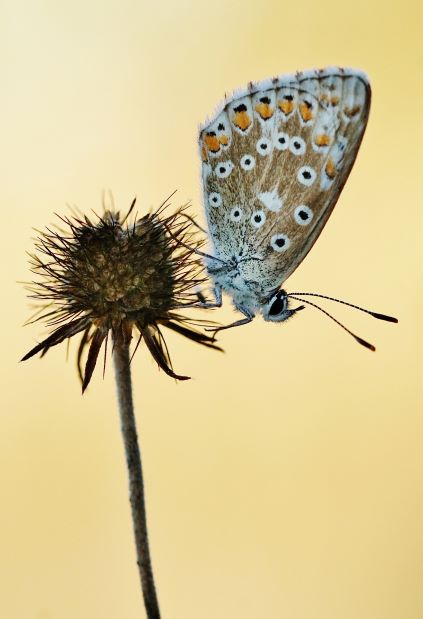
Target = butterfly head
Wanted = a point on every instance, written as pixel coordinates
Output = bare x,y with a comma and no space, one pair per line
276,308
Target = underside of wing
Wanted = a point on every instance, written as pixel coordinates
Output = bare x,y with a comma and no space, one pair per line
274,160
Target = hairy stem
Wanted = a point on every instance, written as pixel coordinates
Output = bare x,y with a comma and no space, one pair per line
136,485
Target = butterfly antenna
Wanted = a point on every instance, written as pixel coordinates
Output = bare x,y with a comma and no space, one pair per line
357,307
356,337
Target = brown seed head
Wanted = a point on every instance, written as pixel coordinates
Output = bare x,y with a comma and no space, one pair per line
109,275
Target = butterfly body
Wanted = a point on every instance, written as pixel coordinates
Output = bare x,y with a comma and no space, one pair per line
275,158
245,281
244,278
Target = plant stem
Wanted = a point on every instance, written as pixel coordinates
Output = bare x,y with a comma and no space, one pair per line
136,485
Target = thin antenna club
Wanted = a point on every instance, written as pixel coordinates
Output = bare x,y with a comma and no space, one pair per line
357,307
356,337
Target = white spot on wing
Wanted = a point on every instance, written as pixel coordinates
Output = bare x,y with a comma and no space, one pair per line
223,169
247,162
280,242
258,218
236,213
282,141
297,146
306,175
303,215
263,146
271,200
215,199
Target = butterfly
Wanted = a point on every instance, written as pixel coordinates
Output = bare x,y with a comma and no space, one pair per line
275,157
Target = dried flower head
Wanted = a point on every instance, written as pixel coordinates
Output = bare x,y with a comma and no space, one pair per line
111,276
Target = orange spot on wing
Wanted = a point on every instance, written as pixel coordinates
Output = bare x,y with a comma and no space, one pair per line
265,110
212,143
330,169
223,139
334,101
286,106
242,120
204,155
352,111
305,111
322,140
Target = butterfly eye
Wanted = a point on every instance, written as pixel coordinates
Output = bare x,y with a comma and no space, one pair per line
297,146
306,175
303,215
258,218
263,146
247,162
282,141
215,199
280,242
278,305
235,214
223,169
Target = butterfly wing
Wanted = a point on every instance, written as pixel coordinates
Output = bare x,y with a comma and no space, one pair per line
275,158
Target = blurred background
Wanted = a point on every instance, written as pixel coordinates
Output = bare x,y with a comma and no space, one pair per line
285,479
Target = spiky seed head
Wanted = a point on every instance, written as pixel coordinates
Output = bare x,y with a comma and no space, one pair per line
109,275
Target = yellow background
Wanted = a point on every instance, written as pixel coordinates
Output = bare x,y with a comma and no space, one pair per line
285,479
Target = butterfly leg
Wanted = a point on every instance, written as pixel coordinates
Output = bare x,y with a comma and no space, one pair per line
244,321
202,302
217,291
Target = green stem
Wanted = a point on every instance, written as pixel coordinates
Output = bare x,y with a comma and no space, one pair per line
136,484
